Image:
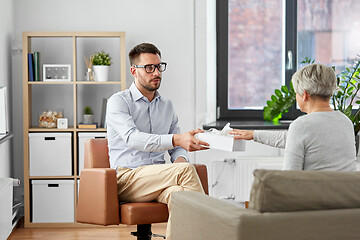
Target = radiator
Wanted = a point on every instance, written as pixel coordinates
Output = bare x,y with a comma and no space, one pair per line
233,178
6,206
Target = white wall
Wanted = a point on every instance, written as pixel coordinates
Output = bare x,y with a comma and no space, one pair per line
167,24
6,28
181,29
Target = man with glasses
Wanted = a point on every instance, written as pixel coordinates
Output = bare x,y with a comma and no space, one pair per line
141,126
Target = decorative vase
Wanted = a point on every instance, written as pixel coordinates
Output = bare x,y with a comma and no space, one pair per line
89,75
101,73
88,119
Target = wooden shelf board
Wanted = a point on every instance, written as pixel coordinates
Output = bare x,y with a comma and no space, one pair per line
51,177
73,82
94,82
37,129
50,83
74,34
91,129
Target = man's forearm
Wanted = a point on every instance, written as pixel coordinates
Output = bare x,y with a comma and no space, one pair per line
188,141
180,160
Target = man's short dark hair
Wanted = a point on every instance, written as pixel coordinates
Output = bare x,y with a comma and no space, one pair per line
142,48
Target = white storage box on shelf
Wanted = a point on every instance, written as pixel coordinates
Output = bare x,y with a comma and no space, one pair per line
83,136
52,201
50,154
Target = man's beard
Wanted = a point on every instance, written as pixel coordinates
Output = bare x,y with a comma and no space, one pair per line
150,88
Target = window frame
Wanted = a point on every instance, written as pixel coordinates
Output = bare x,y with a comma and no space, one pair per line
222,36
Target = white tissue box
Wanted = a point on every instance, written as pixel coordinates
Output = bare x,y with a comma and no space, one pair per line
221,142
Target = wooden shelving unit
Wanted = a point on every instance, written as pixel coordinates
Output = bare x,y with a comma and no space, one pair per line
73,88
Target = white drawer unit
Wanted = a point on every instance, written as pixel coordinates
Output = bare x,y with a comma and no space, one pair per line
52,201
82,139
50,154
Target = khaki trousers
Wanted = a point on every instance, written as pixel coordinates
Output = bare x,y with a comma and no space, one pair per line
157,182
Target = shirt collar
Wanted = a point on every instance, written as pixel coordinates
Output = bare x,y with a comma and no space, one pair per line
138,95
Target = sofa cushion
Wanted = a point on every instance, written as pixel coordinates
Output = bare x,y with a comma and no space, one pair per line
284,191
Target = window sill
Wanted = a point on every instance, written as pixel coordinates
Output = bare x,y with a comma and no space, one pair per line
248,124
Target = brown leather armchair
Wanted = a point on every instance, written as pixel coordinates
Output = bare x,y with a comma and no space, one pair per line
98,196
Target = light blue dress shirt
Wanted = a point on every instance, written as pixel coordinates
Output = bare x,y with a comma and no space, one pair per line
139,132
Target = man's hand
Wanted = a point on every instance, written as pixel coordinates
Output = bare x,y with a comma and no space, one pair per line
242,134
180,160
189,142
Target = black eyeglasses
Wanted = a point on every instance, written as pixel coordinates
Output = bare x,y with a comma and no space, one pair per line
150,68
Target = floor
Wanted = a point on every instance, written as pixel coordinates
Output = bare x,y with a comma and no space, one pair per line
103,233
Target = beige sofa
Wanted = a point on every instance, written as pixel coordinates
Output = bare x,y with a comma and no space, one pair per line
288,205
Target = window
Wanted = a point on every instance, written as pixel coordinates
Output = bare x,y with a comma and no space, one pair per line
260,44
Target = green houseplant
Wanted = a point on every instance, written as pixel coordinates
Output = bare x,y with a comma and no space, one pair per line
101,58
88,116
344,98
101,64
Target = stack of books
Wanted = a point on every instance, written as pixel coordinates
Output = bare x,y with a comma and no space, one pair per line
34,66
90,125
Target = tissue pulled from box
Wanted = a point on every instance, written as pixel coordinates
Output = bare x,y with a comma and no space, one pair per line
222,140
224,132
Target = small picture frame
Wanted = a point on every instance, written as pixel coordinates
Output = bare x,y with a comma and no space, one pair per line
62,123
56,72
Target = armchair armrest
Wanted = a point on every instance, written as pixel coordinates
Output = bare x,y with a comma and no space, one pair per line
207,218
202,172
98,197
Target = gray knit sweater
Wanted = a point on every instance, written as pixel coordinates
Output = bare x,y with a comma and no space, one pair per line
316,141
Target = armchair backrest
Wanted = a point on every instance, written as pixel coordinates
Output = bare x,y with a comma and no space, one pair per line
96,154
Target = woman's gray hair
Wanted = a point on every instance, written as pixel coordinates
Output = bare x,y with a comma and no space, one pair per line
315,79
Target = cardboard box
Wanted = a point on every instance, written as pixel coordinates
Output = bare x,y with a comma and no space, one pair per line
221,142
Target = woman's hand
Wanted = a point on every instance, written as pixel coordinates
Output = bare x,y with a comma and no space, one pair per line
243,134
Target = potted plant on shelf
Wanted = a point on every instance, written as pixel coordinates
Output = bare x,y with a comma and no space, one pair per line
101,64
345,96
88,116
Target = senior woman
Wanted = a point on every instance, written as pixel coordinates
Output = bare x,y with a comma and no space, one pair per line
321,140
